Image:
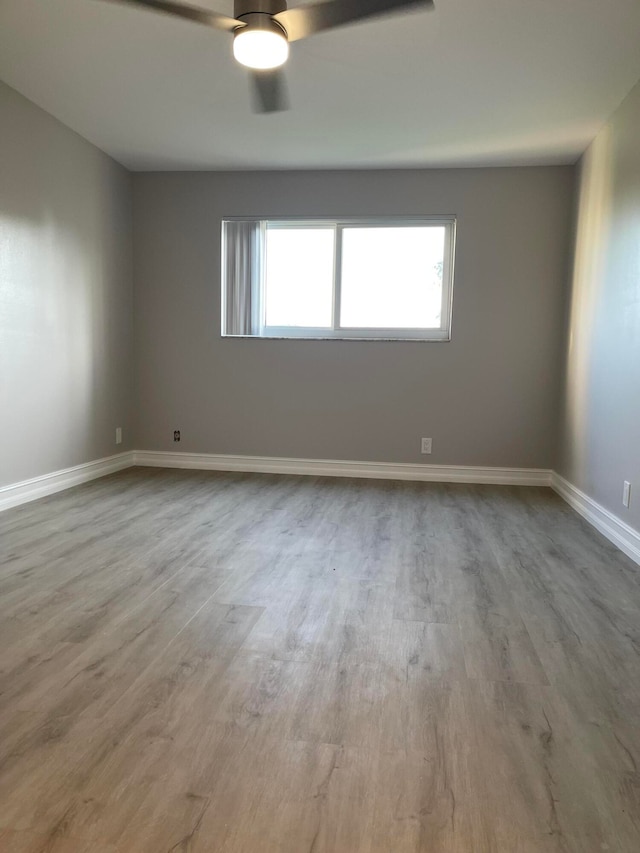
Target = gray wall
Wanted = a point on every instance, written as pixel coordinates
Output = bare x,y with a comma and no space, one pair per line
600,440
65,295
489,397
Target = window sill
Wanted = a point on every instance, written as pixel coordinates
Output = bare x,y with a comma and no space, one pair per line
405,339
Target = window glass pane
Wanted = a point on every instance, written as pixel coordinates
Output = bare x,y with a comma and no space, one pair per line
392,277
299,277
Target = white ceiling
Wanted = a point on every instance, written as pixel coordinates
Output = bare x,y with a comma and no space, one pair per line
476,82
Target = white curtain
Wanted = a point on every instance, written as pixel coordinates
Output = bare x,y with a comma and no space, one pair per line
243,267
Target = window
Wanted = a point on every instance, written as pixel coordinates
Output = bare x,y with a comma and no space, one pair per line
338,278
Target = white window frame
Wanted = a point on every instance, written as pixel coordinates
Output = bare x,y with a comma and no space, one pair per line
338,332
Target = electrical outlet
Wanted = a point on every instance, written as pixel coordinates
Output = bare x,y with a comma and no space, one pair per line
176,435
626,494
425,445
118,435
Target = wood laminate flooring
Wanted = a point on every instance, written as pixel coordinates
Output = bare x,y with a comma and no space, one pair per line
259,664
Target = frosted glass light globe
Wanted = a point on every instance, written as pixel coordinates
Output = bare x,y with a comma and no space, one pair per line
260,49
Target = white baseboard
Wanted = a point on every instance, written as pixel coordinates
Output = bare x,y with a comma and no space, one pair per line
57,481
617,531
340,468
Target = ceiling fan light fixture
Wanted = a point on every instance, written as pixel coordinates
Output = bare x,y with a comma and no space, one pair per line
262,44
262,30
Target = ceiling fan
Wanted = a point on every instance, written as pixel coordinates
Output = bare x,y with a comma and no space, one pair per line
263,29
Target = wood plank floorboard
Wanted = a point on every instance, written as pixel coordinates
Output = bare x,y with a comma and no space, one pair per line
236,663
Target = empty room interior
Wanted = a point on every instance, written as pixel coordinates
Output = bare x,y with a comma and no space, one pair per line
320,394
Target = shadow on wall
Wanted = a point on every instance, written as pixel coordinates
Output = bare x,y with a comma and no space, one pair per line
592,240
66,311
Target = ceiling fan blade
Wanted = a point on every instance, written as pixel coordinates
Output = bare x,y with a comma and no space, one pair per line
191,13
269,91
303,21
